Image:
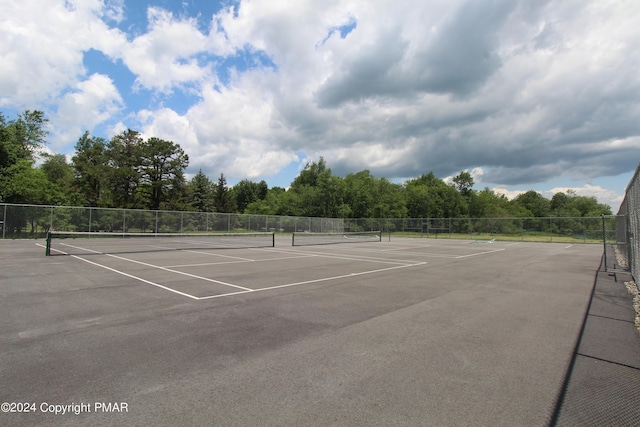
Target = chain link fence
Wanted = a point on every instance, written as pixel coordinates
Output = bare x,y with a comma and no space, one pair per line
627,246
616,248
549,229
34,221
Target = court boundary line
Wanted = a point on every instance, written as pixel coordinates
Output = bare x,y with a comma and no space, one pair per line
244,290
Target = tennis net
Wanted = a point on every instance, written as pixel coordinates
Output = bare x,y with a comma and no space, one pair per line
83,243
305,239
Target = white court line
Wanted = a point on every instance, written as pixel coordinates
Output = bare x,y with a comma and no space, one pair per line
401,251
480,253
244,290
163,268
135,277
351,257
430,254
238,262
212,254
306,282
203,264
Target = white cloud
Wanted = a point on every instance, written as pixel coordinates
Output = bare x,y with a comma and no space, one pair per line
603,195
92,102
166,55
519,92
230,132
42,48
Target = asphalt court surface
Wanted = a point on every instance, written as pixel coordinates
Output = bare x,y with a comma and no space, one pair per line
204,274
399,332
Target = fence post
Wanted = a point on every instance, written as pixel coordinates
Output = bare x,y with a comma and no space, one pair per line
604,243
4,221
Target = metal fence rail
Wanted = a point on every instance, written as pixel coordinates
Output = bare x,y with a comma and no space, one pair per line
34,221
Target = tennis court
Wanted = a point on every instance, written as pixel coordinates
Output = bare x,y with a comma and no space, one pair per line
389,332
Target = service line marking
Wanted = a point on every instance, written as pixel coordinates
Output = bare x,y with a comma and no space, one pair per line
243,290
306,282
480,253
164,269
352,257
238,262
136,277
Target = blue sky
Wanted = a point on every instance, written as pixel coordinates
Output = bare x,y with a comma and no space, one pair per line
524,95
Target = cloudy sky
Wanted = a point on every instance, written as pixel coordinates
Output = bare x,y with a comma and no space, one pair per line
529,94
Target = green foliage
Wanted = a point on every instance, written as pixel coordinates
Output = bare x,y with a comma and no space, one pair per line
91,169
222,197
360,192
162,181
22,183
430,197
123,175
246,192
463,183
20,141
533,203
23,138
319,193
570,204
488,204
200,193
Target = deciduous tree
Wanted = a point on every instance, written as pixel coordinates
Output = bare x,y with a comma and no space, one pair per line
161,171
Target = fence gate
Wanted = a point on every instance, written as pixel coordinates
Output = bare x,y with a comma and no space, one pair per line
615,236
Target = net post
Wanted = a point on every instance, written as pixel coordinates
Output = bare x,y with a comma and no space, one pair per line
47,251
273,240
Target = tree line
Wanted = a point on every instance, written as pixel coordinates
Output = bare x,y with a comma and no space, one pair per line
128,171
